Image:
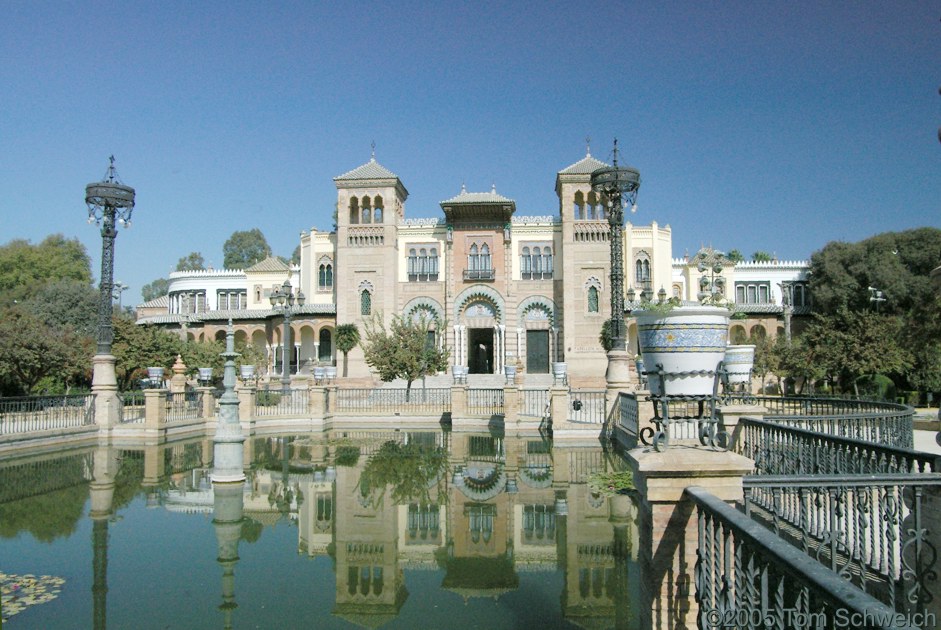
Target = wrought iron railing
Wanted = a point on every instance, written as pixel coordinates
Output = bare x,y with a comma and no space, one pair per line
747,577
183,406
873,530
587,406
485,402
534,402
394,400
132,407
875,421
629,414
281,402
23,414
784,450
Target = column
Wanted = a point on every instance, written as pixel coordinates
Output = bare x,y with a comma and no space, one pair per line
669,532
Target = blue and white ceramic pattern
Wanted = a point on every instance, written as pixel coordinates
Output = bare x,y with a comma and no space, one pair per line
685,339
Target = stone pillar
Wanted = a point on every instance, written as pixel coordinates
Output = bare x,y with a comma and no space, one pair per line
155,409
316,399
331,405
246,396
209,402
105,388
458,400
559,405
511,404
178,380
669,535
729,416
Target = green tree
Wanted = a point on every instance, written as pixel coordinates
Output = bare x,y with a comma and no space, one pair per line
137,347
735,256
347,338
761,256
605,339
896,263
191,262
245,248
404,351
155,289
899,265
26,268
848,345
296,256
29,351
66,304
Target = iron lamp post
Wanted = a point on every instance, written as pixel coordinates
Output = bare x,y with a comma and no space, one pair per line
283,300
109,202
618,186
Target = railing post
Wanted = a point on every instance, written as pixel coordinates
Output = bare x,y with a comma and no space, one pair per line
155,409
331,404
729,416
246,395
458,401
209,402
669,532
511,404
559,405
315,400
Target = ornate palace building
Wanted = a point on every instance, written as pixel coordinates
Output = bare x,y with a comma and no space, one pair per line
498,288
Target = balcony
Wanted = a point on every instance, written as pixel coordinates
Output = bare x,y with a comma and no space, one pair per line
479,274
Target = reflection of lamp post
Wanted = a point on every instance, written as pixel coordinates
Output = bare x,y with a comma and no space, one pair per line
283,300
619,186
876,297
109,202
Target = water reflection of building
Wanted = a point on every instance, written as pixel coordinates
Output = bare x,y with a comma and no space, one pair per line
370,586
510,506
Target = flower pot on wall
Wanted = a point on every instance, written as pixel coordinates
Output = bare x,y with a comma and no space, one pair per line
683,339
739,361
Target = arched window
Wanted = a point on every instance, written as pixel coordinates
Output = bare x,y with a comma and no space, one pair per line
423,262
594,207
592,299
377,209
325,274
325,351
473,258
433,264
537,261
578,207
526,264
367,210
365,302
412,264
546,262
354,210
485,257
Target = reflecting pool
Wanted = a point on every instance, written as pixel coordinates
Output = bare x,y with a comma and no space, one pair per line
342,529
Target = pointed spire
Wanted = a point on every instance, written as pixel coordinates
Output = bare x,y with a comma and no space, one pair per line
373,157
587,146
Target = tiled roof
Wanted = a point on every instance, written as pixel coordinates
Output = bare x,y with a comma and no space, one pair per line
271,263
161,302
477,197
370,170
237,314
584,166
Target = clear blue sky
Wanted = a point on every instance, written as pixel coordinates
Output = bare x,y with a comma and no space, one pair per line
774,126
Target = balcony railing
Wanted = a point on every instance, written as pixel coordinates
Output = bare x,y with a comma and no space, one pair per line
479,274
